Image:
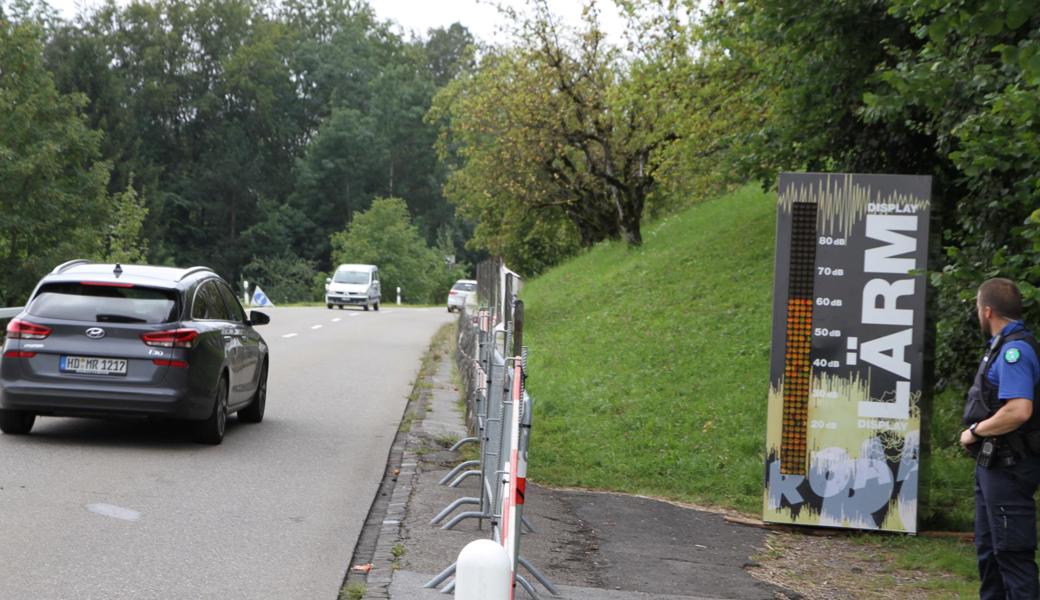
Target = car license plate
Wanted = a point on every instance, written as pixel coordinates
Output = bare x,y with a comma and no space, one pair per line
92,365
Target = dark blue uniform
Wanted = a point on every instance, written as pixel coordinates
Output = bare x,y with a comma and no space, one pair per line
1005,510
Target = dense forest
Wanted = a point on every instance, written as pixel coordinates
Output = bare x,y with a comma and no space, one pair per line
233,133
253,136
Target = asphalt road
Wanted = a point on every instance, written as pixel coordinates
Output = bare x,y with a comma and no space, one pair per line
108,510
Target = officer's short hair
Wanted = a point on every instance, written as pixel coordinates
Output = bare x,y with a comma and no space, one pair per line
1002,296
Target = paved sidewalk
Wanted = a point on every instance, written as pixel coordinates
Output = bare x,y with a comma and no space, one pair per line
590,545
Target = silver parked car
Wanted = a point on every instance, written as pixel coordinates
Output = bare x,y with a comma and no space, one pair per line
459,292
102,340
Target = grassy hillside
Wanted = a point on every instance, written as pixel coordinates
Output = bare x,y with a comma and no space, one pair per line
650,366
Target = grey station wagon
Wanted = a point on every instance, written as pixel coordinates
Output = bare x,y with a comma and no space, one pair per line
100,340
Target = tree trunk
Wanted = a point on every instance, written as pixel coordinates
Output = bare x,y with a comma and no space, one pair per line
631,216
631,232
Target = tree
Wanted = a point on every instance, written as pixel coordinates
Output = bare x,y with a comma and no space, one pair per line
52,181
814,61
561,126
384,236
449,52
123,243
284,278
970,81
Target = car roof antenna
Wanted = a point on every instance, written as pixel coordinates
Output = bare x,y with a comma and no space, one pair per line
118,270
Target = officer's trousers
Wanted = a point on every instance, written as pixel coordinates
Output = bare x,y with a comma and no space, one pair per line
1005,530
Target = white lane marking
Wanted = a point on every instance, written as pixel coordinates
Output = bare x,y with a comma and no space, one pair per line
116,512
289,335
337,320
353,314
317,326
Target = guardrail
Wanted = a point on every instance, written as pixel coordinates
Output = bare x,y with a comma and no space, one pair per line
492,363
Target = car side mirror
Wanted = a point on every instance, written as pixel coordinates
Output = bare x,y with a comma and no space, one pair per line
258,318
328,280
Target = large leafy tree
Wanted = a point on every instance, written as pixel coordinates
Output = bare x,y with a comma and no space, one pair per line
52,179
971,83
812,62
384,235
579,124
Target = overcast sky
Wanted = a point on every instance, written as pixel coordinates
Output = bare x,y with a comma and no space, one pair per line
482,19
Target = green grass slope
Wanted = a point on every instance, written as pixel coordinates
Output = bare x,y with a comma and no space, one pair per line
649,366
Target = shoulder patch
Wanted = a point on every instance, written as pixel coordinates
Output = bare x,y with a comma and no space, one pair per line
1011,355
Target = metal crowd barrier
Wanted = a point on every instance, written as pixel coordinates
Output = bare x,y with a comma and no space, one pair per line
5,315
493,366
9,313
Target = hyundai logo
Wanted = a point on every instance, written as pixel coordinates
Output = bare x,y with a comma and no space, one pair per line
95,333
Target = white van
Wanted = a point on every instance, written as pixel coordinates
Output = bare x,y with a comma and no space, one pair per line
356,285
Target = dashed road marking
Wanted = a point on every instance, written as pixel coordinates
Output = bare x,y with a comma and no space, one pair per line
316,326
289,335
116,512
337,320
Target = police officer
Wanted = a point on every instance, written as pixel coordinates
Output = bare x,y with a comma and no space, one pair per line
1003,430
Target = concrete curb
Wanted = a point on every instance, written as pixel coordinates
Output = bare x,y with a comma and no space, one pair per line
385,520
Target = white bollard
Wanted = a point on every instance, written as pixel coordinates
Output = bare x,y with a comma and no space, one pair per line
399,295
483,572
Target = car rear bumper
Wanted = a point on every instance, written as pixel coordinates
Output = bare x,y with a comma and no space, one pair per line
100,401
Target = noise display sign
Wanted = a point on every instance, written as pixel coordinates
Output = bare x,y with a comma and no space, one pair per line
846,375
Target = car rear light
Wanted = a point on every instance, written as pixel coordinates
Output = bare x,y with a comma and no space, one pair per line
24,330
177,364
18,354
452,293
173,338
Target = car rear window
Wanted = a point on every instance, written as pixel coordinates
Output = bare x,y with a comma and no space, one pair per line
464,287
104,303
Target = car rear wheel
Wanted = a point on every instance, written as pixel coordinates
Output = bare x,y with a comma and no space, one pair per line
375,306
211,430
366,306
329,305
254,413
17,422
